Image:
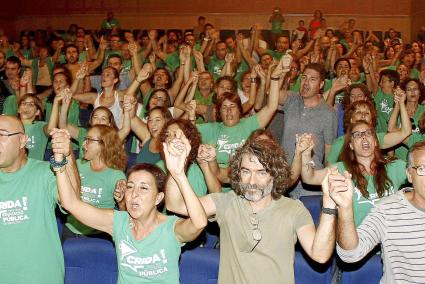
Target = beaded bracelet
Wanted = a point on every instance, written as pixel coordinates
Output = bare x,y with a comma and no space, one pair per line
57,166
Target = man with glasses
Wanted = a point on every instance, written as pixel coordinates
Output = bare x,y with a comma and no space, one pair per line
258,226
396,222
30,245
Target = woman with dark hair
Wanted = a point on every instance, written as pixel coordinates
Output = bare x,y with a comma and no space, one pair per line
102,166
365,111
110,97
149,133
30,112
149,233
189,131
233,130
414,93
374,176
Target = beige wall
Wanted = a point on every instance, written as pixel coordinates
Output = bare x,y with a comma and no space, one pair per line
235,14
417,16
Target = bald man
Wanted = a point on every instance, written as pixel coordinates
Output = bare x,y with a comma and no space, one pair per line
29,242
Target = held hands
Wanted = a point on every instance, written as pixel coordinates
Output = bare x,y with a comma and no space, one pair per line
304,143
61,143
64,94
83,71
229,58
399,96
26,78
341,83
339,188
206,153
129,104
119,191
283,67
176,151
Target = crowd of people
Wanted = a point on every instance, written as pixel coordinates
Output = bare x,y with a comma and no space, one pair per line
141,138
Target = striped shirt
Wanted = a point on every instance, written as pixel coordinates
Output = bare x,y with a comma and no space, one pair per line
400,229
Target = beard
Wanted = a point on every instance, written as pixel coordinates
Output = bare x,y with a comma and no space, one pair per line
255,192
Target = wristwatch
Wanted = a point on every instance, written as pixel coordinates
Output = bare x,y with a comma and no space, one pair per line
330,211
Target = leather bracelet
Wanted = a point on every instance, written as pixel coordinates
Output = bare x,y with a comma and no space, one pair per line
274,78
58,166
330,211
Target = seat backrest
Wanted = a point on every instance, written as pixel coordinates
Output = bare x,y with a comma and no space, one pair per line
199,265
90,260
369,272
307,271
313,204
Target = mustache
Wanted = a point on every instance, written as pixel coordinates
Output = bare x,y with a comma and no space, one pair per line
248,186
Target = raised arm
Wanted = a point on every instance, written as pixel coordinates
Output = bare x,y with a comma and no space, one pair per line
395,134
319,244
266,113
309,174
73,130
176,152
100,56
88,98
100,219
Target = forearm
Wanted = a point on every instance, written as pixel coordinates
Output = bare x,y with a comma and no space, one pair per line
392,122
174,201
213,184
308,174
296,167
347,236
406,126
194,207
324,239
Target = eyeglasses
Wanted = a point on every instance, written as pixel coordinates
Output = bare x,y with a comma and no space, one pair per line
28,104
256,233
4,136
90,140
361,134
420,170
412,89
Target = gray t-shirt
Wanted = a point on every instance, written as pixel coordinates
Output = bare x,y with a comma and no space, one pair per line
244,261
321,121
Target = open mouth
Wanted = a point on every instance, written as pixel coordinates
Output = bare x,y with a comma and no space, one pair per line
365,145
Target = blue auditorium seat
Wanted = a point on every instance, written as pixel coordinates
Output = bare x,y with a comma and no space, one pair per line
369,271
313,204
199,265
90,260
309,272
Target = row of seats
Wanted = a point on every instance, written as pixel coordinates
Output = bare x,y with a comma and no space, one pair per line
90,260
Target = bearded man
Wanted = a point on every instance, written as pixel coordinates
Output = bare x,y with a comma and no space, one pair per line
258,225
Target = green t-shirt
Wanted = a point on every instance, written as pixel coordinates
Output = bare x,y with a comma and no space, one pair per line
10,106
277,26
30,246
173,61
37,139
275,54
338,143
194,175
227,139
97,189
396,172
154,259
384,104
414,138
215,66
242,68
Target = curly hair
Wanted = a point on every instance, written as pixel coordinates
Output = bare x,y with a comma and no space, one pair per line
348,113
113,152
154,170
191,133
380,177
273,159
257,133
421,87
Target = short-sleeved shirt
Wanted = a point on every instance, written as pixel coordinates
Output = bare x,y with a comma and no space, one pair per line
227,139
30,246
272,259
320,120
384,104
97,189
10,106
151,260
396,172
37,139
215,66
195,177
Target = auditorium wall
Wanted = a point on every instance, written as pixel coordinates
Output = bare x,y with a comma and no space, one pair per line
237,14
